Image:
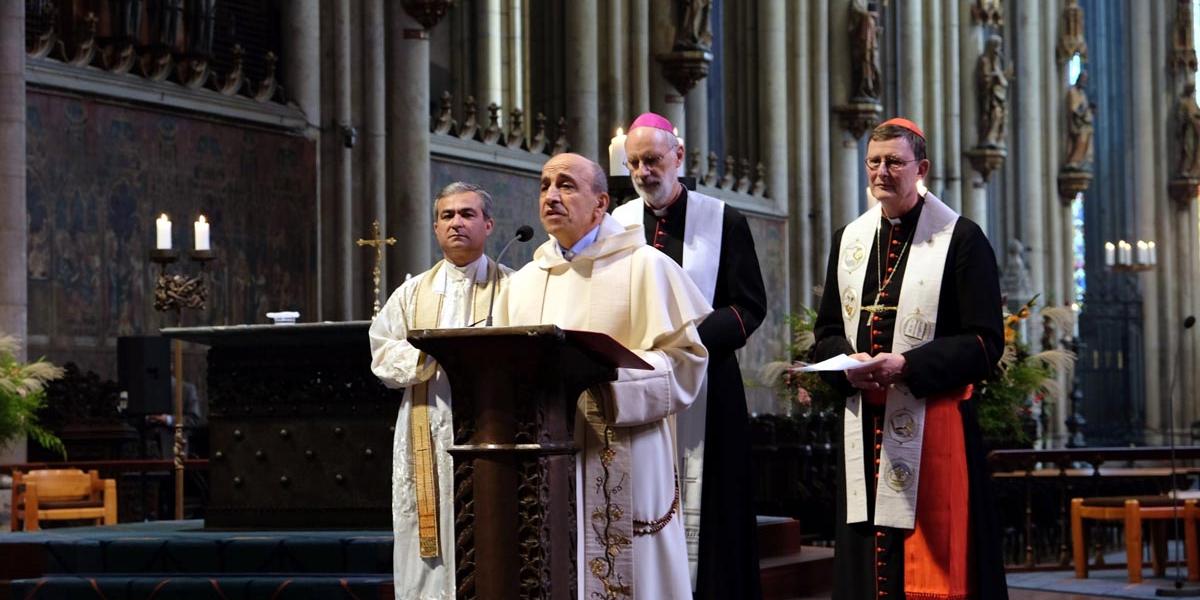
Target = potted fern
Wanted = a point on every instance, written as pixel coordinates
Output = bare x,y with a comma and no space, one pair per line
22,394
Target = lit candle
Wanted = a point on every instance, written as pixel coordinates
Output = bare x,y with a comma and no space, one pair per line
683,162
1110,254
1153,254
162,230
1143,253
1124,256
202,241
616,154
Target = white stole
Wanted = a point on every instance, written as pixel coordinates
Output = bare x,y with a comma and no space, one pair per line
916,321
702,236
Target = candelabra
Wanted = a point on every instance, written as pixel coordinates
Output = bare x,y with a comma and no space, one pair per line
1127,257
175,292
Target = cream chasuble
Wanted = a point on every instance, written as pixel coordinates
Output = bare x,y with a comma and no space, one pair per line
444,296
631,537
916,320
702,233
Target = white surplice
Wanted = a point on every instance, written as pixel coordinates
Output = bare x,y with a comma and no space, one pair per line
640,297
394,361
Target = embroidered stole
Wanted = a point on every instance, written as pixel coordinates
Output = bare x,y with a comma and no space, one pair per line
702,237
427,315
916,320
606,522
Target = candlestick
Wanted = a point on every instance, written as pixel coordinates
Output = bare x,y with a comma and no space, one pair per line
616,154
162,231
201,227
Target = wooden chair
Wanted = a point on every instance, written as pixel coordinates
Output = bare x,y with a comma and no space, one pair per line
62,494
1132,512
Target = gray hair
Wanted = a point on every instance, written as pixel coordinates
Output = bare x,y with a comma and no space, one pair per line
462,187
599,181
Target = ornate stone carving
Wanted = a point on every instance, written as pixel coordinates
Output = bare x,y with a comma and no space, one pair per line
694,165
1183,50
233,81
993,79
560,143
760,181
538,142
743,182
445,123
710,174
730,178
470,126
427,12
860,117
1070,33
687,62
516,129
1071,183
986,160
492,134
695,31
1187,133
864,51
1080,118
1015,283
989,13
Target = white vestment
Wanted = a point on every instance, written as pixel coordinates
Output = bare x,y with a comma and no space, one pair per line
394,361
640,297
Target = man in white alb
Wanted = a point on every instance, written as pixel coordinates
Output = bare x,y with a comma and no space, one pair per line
454,293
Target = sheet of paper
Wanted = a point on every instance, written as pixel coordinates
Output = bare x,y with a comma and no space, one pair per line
839,363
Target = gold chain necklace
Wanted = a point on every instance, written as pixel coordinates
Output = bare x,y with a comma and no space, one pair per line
881,281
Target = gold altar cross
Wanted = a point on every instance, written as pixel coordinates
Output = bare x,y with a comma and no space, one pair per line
378,243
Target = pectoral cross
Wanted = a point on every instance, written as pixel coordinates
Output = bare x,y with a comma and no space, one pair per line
877,308
378,243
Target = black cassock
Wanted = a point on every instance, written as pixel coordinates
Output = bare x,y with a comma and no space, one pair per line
967,344
728,556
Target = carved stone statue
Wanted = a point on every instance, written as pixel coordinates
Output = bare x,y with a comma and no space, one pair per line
1080,117
988,13
1187,133
864,49
1016,281
1183,51
1070,33
695,31
993,94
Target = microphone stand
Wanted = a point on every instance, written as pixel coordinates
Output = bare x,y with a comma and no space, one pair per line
523,234
1177,589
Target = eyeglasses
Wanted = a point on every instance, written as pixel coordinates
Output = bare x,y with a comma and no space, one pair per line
891,164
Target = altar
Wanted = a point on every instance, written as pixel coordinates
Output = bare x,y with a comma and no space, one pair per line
300,430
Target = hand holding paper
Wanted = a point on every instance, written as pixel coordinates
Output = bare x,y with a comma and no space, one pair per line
842,362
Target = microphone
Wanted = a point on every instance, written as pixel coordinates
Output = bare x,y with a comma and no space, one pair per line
524,233
1189,321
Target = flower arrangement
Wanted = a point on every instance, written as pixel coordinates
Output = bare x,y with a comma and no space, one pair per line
1007,399
796,388
22,394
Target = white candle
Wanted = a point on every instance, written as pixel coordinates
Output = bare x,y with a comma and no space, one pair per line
1153,254
202,241
162,231
616,154
1124,256
1110,254
1143,253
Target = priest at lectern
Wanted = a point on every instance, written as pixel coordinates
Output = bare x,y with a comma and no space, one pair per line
595,274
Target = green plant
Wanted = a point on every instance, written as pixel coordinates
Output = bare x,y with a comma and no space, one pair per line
1007,398
794,387
22,394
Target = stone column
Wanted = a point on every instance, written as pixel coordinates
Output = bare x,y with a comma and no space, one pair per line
844,160
637,24
14,272
970,45
772,98
664,98
615,95
1170,321
822,150
912,86
1142,152
489,55
952,122
697,127
581,77
935,112
1052,103
302,79
344,159
513,64
1030,133
374,135
801,246
409,205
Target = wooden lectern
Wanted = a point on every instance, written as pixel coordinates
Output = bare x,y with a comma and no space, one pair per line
514,392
